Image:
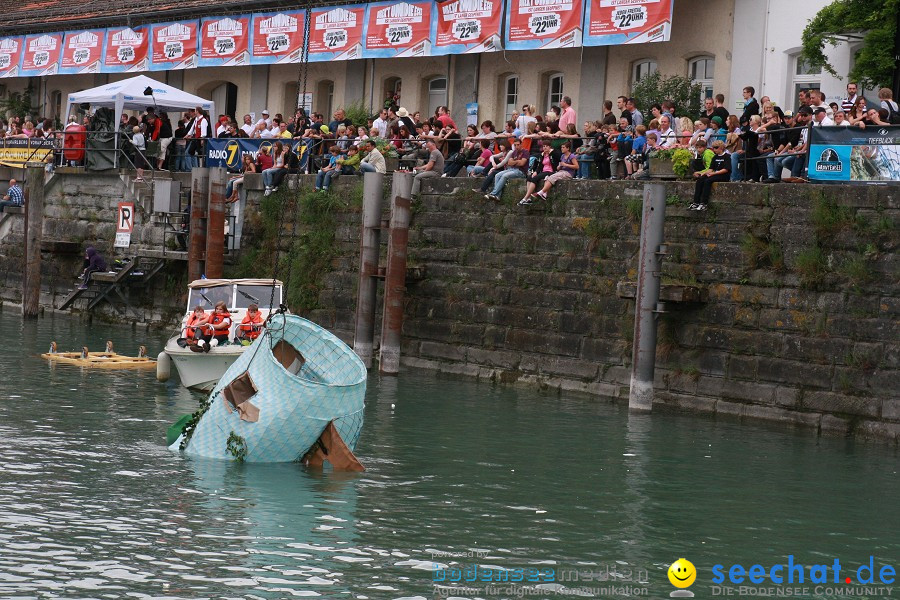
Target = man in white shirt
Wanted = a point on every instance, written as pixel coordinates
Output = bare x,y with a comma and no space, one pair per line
247,127
381,123
265,119
818,101
637,117
820,116
373,161
667,137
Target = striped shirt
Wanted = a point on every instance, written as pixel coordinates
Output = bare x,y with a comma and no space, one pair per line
15,195
847,104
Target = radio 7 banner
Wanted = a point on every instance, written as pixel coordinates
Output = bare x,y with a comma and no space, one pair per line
82,52
224,42
397,29
10,56
229,152
853,154
277,37
609,22
41,54
467,26
174,46
127,49
543,24
336,33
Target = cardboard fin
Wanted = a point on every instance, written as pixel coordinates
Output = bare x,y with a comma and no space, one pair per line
332,448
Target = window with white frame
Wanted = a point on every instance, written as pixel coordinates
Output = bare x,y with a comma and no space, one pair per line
702,70
642,68
805,77
554,90
511,90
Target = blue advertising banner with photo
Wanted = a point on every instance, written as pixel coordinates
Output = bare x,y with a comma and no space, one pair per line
229,152
849,154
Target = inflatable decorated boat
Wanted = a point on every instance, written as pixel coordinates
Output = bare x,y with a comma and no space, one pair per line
295,394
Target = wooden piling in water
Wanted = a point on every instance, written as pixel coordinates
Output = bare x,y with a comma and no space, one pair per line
34,223
215,223
199,208
364,338
395,276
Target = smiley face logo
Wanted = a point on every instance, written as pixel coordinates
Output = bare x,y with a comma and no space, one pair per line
682,573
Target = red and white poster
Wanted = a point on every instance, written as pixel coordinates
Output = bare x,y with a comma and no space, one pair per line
174,46
277,37
336,33
468,26
536,24
610,22
395,29
40,56
10,56
82,52
127,50
225,41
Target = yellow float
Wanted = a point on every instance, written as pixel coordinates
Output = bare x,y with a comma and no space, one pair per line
107,359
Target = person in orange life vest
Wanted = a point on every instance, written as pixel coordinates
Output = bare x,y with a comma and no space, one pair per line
215,327
195,319
251,326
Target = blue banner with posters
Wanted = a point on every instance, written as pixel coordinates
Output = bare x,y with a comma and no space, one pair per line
849,154
228,152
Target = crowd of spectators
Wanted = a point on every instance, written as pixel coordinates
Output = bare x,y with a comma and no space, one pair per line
758,143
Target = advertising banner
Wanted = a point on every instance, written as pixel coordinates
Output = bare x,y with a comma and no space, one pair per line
82,52
849,154
173,46
277,37
15,152
41,53
224,42
609,22
533,24
10,56
229,152
127,50
467,26
336,33
397,29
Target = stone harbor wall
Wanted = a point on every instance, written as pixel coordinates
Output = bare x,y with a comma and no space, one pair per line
799,318
782,302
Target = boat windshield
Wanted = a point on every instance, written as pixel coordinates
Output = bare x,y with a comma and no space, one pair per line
260,295
207,297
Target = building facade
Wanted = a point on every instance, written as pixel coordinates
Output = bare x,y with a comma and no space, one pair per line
722,44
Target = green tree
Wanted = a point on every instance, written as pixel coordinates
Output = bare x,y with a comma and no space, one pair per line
654,88
875,22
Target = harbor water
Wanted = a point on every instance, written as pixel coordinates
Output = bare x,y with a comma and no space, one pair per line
463,478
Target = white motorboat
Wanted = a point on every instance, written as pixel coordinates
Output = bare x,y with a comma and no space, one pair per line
202,370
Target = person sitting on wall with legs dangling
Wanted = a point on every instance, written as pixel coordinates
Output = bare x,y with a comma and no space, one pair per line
214,331
191,332
251,326
93,263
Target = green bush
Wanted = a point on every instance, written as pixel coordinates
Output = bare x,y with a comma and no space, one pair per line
811,266
654,88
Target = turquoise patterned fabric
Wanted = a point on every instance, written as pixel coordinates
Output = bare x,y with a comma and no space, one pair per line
293,409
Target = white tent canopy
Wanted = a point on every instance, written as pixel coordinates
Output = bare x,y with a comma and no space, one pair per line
129,95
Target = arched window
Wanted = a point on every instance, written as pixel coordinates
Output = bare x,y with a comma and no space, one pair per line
642,68
510,95
325,98
437,93
554,90
805,77
56,106
392,89
702,70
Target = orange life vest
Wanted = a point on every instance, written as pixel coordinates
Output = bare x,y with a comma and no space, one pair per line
191,322
216,319
251,326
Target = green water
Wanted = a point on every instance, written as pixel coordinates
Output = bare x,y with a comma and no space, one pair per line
92,504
